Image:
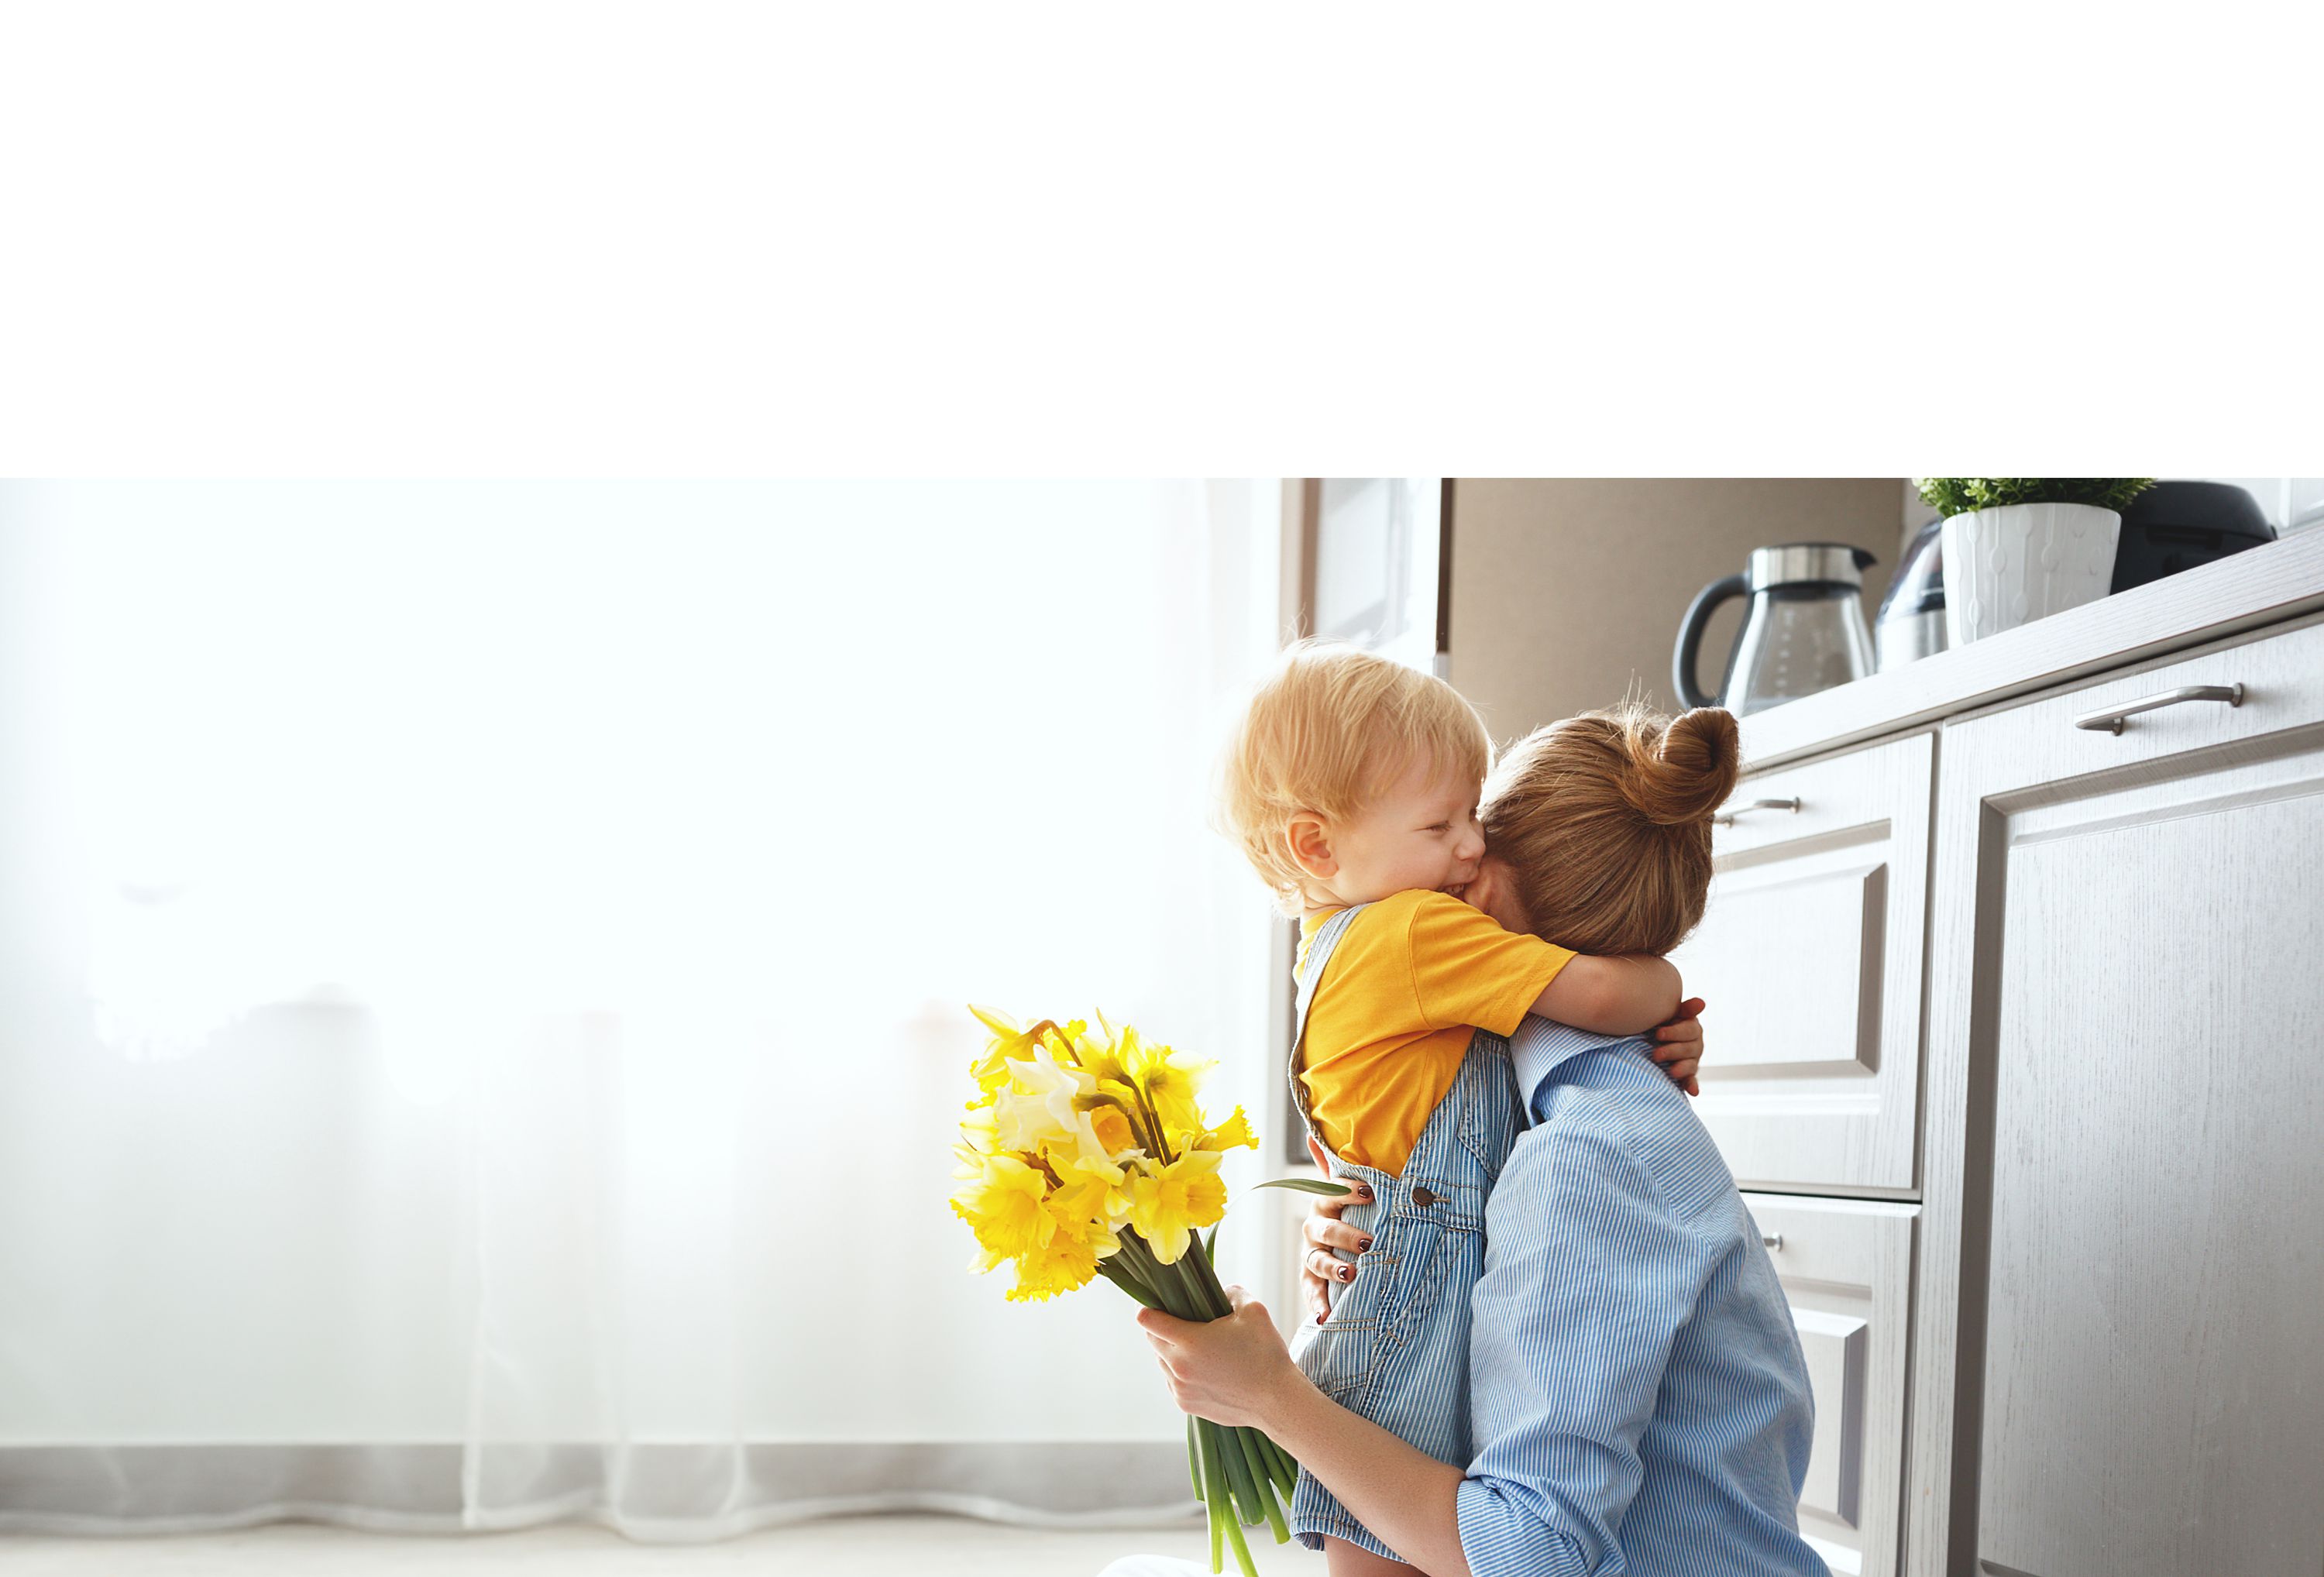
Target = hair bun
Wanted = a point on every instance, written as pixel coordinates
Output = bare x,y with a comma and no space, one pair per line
1688,771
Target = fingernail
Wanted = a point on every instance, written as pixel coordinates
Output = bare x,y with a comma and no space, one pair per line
1347,1272
1363,1190
1361,1246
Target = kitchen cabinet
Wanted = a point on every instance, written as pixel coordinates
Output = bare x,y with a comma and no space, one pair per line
2119,1371
2011,1042
2108,1193
1809,956
1847,1270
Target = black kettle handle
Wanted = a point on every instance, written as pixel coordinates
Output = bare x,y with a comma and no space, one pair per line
1690,636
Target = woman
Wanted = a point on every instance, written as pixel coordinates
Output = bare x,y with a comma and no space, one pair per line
1637,1394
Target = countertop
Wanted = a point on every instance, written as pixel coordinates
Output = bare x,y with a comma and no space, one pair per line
2264,585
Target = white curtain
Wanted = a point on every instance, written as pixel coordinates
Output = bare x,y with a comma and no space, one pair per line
481,982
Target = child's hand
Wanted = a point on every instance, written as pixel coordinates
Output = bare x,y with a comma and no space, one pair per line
1678,1045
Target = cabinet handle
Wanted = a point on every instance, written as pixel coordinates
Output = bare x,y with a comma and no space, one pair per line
1774,1240
2110,718
1727,818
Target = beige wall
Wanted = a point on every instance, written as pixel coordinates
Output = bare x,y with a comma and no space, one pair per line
1566,593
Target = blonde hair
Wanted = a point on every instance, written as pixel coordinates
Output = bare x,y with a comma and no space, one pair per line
1605,822
1328,731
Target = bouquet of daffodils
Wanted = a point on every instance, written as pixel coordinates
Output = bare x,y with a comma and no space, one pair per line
1085,1156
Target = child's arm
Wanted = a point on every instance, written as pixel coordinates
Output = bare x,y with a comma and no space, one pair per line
1627,995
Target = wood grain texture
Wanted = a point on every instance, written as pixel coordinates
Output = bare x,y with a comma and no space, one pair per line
1812,1018
2156,1260
2121,1256
2266,585
1846,1265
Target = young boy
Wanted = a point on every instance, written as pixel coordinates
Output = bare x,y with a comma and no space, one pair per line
1352,785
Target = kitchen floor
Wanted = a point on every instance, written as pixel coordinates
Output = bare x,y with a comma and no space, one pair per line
855,1546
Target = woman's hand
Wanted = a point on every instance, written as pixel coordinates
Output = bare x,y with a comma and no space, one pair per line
1678,1045
1234,1371
1320,1269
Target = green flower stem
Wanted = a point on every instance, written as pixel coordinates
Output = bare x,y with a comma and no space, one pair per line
1203,1290
1262,1482
1161,1144
1239,1478
1230,1516
1178,1284
1127,1283
1134,1269
1164,1281
1234,1477
1275,1463
1286,1469
1213,1291
1214,1500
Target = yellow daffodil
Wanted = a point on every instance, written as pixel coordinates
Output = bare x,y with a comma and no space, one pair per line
1003,1206
1170,1080
1101,1055
1091,1197
1046,1120
991,1070
1082,1150
1228,1135
1168,1202
1113,1127
980,1135
1037,1105
1068,1261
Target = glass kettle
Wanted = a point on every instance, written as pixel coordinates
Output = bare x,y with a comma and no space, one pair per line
1804,629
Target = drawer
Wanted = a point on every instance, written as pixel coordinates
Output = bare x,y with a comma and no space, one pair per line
2272,681
1809,961
1847,1270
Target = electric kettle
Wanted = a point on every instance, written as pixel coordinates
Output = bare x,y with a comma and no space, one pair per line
1910,623
1803,631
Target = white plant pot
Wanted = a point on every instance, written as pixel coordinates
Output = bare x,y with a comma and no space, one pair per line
2011,566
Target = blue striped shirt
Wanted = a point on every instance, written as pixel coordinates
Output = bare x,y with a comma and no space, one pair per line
1639,1399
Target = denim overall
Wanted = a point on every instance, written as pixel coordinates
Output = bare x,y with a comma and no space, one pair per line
1394,1348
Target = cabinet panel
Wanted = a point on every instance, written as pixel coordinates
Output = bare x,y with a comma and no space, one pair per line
1750,948
1846,1266
2123,1247
1808,958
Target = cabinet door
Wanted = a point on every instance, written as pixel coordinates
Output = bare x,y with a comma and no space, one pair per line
2116,1365
1808,958
1846,1267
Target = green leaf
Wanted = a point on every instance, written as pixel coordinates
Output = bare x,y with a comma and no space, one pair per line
1953,495
1122,1279
1308,1185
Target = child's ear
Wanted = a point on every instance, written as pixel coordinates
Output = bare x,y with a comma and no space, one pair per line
1311,845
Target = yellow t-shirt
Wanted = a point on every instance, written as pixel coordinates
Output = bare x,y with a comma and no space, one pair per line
1410,983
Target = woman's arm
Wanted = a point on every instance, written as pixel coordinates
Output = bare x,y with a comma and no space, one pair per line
1238,1371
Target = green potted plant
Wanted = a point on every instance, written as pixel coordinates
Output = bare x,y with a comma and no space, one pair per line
2018,548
